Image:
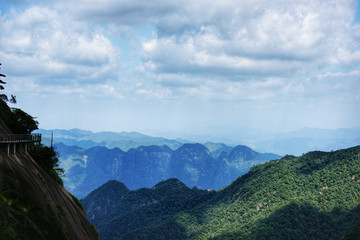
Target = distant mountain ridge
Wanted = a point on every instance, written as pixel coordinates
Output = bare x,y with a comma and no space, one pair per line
91,159
123,140
145,166
292,142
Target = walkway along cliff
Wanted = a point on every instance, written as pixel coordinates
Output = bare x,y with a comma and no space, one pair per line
16,141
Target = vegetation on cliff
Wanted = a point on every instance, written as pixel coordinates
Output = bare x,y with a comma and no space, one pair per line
33,205
20,122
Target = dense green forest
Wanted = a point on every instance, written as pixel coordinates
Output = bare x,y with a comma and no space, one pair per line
121,213
314,196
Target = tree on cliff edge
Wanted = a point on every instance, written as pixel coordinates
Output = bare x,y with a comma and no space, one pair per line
4,97
17,120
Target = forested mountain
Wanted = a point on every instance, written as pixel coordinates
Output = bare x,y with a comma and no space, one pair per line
120,213
315,196
145,166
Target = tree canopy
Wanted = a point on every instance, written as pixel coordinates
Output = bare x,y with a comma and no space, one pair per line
4,97
17,120
25,123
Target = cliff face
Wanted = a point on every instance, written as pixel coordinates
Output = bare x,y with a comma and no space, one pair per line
33,205
40,207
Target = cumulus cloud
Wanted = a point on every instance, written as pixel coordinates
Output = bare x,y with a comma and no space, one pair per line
125,12
257,38
197,48
236,59
43,44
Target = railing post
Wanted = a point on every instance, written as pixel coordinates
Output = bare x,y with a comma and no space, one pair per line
19,139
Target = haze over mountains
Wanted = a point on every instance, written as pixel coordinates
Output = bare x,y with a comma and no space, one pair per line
123,140
294,142
138,160
145,166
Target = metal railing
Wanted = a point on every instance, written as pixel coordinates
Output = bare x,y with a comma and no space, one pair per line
20,138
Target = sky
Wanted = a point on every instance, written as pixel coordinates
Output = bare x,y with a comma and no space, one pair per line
183,67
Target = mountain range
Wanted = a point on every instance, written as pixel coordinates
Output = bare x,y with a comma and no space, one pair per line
314,196
123,140
145,166
293,142
90,159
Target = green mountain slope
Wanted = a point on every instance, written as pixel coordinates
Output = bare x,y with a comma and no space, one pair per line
315,196
143,213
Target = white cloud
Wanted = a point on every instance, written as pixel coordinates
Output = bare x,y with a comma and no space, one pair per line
272,39
151,93
231,40
243,54
51,48
125,12
355,73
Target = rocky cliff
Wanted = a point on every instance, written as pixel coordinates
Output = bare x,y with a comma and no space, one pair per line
33,205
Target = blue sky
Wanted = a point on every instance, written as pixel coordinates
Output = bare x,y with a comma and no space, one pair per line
176,66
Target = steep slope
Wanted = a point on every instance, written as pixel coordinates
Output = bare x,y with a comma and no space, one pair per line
315,196
41,208
32,204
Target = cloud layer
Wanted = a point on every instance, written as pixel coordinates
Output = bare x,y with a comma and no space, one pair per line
279,52
49,48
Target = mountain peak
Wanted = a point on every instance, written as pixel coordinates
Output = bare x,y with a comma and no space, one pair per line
193,147
170,183
115,186
244,152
